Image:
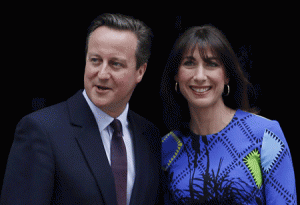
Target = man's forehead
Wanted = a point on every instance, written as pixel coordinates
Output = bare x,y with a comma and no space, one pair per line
110,40
108,34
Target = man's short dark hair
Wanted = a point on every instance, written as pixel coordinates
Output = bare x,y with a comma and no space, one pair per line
126,23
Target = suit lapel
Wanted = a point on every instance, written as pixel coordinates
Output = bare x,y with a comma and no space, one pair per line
91,145
141,154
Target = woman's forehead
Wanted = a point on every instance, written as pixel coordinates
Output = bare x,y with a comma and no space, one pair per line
204,51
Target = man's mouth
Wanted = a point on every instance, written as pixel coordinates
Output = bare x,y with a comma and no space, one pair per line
100,87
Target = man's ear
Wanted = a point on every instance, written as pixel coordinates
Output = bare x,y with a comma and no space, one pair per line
140,72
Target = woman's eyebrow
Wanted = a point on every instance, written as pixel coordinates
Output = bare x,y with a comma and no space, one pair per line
211,59
205,59
189,58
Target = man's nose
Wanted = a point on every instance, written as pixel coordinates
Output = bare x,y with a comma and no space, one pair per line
103,71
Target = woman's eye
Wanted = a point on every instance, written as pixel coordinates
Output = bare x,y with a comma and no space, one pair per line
189,63
213,64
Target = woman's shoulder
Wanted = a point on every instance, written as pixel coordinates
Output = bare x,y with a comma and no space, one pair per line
172,134
255,121
258,125
171,146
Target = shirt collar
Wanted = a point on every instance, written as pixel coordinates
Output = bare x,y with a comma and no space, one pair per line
103,119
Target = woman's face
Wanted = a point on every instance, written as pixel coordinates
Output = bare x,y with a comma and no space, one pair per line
201,81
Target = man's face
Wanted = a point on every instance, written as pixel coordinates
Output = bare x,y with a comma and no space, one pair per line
110,72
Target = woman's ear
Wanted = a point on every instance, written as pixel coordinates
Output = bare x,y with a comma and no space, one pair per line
226,80
176,78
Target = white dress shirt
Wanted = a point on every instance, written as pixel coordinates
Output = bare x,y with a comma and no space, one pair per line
106,132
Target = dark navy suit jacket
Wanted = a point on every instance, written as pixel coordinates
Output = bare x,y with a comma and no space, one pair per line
58,157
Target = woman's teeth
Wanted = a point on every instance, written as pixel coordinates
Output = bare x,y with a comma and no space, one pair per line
200,90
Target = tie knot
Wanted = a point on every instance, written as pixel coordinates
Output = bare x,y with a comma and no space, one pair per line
117,126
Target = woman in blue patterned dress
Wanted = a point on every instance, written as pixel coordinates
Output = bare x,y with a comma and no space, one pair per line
219,151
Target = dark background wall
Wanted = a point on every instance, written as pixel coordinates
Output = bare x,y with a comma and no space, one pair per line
44,58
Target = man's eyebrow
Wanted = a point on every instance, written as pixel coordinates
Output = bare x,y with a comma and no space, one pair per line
118,58
93,54
113,58
122,60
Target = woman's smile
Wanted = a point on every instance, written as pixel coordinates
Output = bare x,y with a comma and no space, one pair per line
202,89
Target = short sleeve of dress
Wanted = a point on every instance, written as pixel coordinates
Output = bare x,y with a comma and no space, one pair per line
277,167
171,146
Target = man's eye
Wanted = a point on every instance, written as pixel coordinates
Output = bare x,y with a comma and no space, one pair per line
117,64
94,60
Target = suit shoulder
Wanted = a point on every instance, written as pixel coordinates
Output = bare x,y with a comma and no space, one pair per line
141,121
49,115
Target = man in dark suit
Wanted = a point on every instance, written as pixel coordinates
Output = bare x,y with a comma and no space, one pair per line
67,154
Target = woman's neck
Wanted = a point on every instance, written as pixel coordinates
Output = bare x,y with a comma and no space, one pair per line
210,120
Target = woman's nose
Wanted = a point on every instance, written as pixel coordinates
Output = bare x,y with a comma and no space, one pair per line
200,74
